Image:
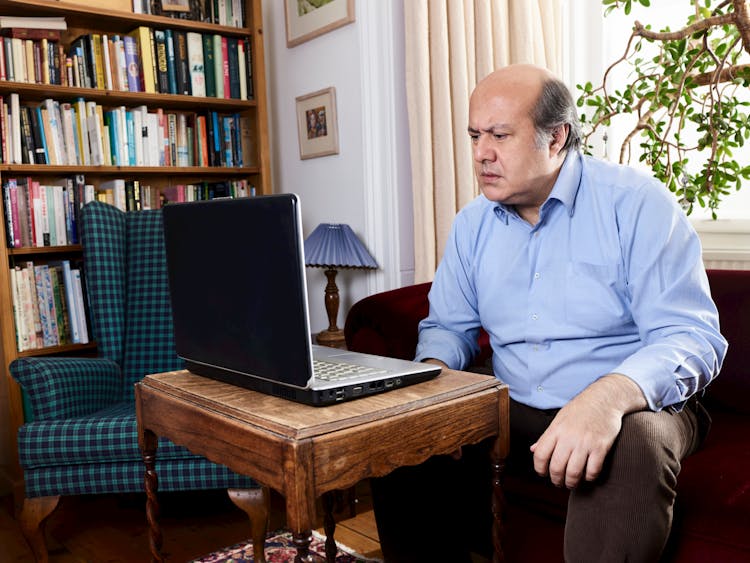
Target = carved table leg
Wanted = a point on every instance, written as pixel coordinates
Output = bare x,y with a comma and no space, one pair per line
329,525
256,504
148,451
302,542
498,502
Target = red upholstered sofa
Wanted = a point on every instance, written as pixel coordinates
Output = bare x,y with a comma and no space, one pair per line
712,512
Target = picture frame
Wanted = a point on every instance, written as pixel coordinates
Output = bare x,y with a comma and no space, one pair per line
317,126
322,16
175,5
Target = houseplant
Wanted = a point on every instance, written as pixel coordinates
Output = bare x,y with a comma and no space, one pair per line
683,94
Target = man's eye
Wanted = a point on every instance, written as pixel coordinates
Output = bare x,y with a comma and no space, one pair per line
499,136
474,138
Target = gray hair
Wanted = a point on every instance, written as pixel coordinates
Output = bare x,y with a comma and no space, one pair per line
556,108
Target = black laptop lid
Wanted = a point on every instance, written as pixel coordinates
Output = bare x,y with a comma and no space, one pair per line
237,283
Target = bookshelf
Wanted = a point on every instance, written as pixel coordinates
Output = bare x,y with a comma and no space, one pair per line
113,18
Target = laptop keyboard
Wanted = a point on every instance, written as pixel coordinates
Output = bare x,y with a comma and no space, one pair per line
341,371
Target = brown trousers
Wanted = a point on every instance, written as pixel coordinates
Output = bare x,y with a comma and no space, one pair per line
625,515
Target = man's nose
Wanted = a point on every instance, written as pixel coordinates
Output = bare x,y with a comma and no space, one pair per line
482,150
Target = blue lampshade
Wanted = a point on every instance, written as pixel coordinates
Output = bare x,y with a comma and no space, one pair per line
334,245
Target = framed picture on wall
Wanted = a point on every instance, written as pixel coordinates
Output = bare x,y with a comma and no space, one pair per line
306,19
316,124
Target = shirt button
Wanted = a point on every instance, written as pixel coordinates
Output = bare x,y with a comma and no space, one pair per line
539,388
537,275
536,347
534,317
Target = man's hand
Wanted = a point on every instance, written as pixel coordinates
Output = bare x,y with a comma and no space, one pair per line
577,441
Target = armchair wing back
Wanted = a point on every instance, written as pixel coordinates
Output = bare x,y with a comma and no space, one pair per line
128,292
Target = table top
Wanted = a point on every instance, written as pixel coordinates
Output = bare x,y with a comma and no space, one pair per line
297,421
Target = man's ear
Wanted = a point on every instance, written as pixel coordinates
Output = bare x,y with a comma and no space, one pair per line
559,136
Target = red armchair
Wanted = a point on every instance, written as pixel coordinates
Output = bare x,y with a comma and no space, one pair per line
712,511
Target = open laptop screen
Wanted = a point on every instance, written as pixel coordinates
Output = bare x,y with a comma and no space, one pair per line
237,280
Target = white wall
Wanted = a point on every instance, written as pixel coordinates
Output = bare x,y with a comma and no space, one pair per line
367,184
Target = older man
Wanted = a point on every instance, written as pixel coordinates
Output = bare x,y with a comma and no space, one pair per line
589,280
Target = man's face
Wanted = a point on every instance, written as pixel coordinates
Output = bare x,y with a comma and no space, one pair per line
510,167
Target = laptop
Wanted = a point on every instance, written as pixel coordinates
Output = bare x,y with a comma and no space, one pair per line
238,289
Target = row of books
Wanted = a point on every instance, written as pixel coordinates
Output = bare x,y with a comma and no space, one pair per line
48,305
31,55
85,133
145,60
222,12
43,213
133,195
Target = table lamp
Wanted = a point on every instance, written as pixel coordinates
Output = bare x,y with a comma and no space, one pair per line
334,246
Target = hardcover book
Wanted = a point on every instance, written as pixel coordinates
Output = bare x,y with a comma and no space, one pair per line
132,63
195,63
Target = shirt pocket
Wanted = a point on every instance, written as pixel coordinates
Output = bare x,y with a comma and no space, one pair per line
595,299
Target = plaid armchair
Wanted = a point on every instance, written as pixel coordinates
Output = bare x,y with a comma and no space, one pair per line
80,436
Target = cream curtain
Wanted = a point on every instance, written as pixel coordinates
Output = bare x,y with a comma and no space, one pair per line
450,45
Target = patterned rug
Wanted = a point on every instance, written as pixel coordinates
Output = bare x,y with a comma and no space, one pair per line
280,549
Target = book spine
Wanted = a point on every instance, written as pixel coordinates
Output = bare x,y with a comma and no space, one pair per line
97,56
61,319
27,140
225,67
17,318
15,127
40,139
241,68
144,40
9,187
162,78
233,68
28,289
44,309
132,63
226,129
4,157
182,70
172,131
195,58
75,333
208,65
107,62
8,56
171,62
80,306
218,66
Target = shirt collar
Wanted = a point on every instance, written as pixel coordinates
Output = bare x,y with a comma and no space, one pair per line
568,181
565,188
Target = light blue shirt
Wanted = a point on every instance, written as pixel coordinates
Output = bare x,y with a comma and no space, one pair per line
610,280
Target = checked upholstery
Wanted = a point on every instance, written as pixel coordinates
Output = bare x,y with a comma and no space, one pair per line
80,436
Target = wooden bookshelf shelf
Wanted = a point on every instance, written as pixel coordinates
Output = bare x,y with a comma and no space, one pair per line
112,17
38,92
44,250
58,350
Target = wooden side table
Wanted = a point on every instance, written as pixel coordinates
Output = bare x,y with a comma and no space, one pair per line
304,452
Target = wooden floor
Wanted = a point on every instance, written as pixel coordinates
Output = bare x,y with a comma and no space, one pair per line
112,528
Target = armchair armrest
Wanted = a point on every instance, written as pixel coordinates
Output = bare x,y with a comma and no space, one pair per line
67,387
386,323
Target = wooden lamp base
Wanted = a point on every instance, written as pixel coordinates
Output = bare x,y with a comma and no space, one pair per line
333,336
